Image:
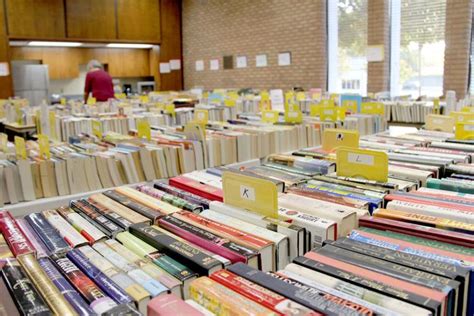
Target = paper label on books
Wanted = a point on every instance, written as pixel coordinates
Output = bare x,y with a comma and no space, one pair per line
293,116
328,113
230,102
350,105
436,106
334,138
3,142
62,101
144,129
315,109
170,109
20,147
468,109
144,99
254,194
270,116
43,142
120,96
300,96
462,116
361,163
201,116
444,123
277,100
97,128
194,131
464,130
374,108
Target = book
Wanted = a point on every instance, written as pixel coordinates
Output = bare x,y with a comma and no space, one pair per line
33,238
7,303
390,303
65,230
171,305
200,308
24,294
316,300
51,294
325,196
209,241
131,204
271,300
140,296
264,247
69,293
434,233
13,235
119,209
171,199
346,218
185,195
107,227
48,234
98,300
220,300
5,251
110,214
159,206
191,257
195,187
90,232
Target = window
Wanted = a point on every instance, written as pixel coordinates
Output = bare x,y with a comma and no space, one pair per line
347,46
417,47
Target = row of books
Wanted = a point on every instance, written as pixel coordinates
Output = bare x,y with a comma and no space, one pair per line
408,111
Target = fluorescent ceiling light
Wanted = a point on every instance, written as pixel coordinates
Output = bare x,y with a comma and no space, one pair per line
123,45
54,44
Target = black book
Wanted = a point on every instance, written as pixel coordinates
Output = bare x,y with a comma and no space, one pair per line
100,221
185,195
131,204
440,284
443,269
26,297
375,285
298,292
108,213
182,252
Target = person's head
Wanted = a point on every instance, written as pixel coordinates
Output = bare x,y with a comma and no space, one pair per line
94,65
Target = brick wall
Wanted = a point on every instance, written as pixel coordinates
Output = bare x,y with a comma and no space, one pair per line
378,73
458,43
216,28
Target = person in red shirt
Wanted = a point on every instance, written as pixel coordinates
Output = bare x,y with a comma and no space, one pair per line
99,82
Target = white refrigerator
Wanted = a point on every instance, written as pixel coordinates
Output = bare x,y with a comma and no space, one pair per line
31,82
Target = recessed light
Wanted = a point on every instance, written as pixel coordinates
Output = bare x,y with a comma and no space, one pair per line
54,44
125,45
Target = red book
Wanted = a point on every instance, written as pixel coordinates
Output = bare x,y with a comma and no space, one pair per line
447,198
170,305
271,300
17,242
447,236
394,282
414,199
198,188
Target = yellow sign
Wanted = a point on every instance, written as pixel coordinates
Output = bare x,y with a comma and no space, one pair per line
334,138
43,142
20,147
201,116
464,130
300,96
97,128
374,108
328,113
436,106
144,99
264,96
350,105
293,107
264,105
3,142
361,163
253,194
441,123
170,109
462,116
468,109
62,101
230,102
195,131
270,116
144,130
315,109
52,125
293,116
327,102
91,101
120,95
289,96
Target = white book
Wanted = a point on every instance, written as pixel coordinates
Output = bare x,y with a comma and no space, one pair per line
206,178
26,179
420,176
382,300
344,216
319,229
296,236
82,225
432,210
450,193
217,212
200,308
65,230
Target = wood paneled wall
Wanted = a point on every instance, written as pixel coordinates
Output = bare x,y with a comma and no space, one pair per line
6,85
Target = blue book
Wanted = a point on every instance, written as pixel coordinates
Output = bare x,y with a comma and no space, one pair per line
351,97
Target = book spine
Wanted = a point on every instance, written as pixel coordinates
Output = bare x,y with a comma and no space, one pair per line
203,190
295,291
106,284
71,295
85,228
32,238
53,297
98,301
137,207
100,220
168,305
5,251
220,300
207,240
13,235
258,293
28,300
169,198
114,217
48,234
192,198
65,230
180,251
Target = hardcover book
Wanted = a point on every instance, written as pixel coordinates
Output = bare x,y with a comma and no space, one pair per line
195,187
65,230
90,232
15,239
185,195
48,234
